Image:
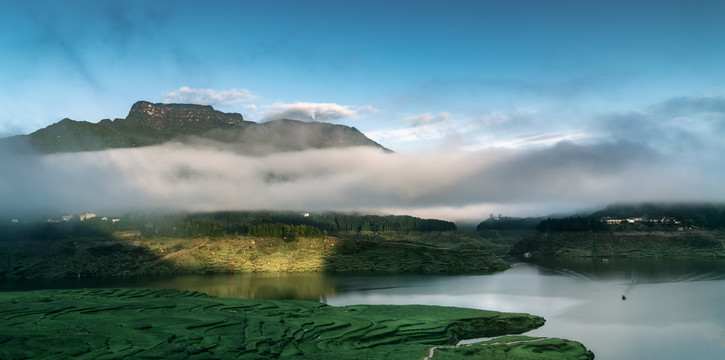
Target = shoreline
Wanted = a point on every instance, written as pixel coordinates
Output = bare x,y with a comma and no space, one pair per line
98,323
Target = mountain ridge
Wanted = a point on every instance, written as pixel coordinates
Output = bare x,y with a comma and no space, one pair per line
150,124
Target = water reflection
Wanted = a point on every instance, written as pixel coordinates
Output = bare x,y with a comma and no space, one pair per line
673,308
642,270
274,286
673,311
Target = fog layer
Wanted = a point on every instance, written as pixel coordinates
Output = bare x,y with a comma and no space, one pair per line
453,185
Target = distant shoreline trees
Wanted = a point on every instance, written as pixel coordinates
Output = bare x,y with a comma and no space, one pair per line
702,216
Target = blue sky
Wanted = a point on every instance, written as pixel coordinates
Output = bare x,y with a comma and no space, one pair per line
419,77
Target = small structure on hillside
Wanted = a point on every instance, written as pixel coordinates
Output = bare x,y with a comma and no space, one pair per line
87,215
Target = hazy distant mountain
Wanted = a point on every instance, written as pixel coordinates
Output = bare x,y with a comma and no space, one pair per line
152,124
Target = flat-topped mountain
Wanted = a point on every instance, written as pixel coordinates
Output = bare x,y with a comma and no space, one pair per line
152,124
182,117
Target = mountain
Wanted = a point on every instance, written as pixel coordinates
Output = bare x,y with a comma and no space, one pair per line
152,124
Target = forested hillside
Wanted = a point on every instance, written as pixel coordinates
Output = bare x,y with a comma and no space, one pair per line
705,216
229,242
267,223
211,225
641,217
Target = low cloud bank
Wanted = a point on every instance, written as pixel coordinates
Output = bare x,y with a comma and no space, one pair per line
453,185
308,111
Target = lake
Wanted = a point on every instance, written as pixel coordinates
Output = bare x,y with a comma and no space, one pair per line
674,308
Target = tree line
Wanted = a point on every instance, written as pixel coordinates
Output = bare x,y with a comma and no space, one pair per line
44,230
702,216
508,223
359,223
270,223
573,223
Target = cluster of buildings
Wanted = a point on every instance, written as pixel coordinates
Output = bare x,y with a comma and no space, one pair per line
82,217
666,220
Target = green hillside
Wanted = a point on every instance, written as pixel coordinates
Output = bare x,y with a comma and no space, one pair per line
152,124
231,242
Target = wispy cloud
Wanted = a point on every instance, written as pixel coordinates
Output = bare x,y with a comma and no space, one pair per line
526,141
454,130
694,124
309,111
672,126
421,127
427,119
404,135
222,98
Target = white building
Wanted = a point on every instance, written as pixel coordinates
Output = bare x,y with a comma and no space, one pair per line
87,215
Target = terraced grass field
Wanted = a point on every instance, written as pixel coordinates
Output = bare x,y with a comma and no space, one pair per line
175,324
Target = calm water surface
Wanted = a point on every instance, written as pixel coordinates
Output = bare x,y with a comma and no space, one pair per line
674,309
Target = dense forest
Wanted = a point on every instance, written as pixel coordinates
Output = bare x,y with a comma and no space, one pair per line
43,230
705,216
573,223
508,223
285,225
268,223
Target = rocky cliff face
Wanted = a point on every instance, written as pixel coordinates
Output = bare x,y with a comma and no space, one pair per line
182,116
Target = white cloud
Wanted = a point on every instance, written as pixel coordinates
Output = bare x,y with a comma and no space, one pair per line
427,119
308,111
406,134
425,128
367,109
525,141
223,98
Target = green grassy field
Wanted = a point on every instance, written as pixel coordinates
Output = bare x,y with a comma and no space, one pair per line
130,254
174,324
517,347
